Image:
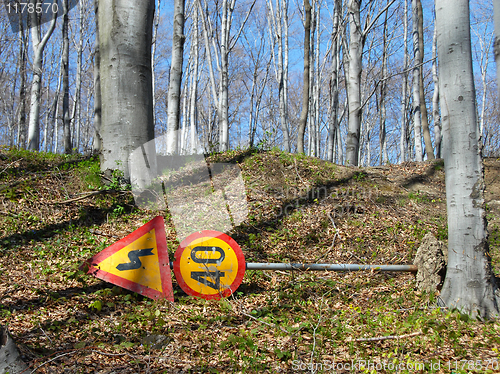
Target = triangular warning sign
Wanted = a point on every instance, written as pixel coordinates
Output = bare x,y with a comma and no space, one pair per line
139,262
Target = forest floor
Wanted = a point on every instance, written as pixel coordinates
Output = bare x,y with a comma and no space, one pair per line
301,209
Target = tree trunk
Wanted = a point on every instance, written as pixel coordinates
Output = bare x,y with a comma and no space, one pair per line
38,44
423,107
496,44
21,119
334,83
193,114
306,88
417,124
435,97
470,284
403,144
125,34
65,64
97,143
10,360
383,93
174,89
354,82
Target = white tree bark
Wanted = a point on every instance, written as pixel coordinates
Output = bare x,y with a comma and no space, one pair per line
354,82
193,114
403,144
174,89
306,87
496,43
65,65
383,94
435,98
417,124
125,35
334,82
38,45
470,285
97,143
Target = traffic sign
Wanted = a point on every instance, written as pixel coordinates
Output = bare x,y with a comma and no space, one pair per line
209,264
139,262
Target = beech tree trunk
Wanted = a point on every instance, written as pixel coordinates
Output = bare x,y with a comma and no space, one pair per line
38,44
470,284
174,89
496,44
97,143
403,143
125,35
65,64
306,88
417,124
435,98
10,360
354,82
423,107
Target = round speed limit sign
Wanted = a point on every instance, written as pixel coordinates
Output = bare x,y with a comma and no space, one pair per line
209,264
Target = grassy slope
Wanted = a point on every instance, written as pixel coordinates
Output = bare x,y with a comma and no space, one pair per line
301,210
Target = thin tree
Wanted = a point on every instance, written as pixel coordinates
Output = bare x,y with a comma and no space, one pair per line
417,118
306,86
65,65
403,143
38,45
125,35
423,107
470,284
97,142
174,89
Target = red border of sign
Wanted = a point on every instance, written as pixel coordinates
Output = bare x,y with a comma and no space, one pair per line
163,261
213,234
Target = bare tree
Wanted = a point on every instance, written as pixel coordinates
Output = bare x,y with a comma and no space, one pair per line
306,87
65,64
417,124
174,89
435,98
403,144
97,143
38,44
423,107
470,284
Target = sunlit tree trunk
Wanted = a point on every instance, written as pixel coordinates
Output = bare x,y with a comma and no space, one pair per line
22,61
423,107
403,144
174,89
496,44
65,64
97,142
417,124
306,87
125,35
354,82
383,94
193,115
470,285
334,83
435,98
38,44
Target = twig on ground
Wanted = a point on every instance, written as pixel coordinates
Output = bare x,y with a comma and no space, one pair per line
378,338
13,162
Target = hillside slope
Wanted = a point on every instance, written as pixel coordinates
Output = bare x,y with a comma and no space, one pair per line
55,214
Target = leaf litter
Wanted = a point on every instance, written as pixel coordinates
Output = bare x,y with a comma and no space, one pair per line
300,209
